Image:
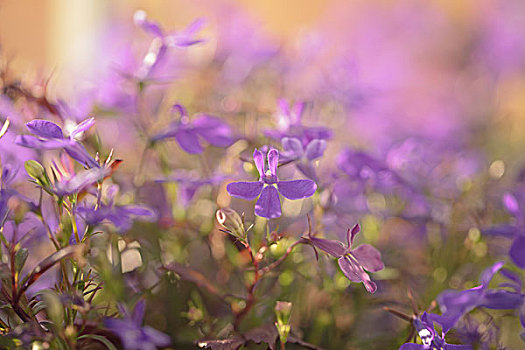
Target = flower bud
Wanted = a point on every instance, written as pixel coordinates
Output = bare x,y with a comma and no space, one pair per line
283,310
232,222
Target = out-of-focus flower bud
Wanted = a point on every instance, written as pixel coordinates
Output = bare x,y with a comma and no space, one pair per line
283,310
232,222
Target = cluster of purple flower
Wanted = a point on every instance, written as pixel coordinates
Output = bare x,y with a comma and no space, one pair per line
87,236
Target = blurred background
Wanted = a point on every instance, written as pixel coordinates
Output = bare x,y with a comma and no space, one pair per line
432,89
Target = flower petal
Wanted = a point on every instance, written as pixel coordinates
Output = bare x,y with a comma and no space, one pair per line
517,252
293,147
188,141
334,248
213,130
258,159
81,155
355,273
369,257
489,272
412,346
45,129
268,205
315,149
297,189
273,160
501,300
83,126
34,142
245,190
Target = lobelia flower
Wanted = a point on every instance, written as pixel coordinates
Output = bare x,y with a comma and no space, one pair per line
303,155
50,136
268,187
454,304
515,231
121,216
353,262
162,41
429,337
133,335
187,133
289,124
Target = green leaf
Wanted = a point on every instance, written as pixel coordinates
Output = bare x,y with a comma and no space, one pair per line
99,338
20,258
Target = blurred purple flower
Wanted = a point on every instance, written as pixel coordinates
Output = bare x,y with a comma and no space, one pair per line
133,335
268,205
301,155
187,133
50,136
516,230
289,124
121,216
454,304
162,41
69,184
429,337
352,262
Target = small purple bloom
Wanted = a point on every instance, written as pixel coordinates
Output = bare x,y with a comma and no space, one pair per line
48,135
516,230
429,337
454,304
354,262
121,216
162,41
133,335
70,184
187,133
303,155
269,187
289,124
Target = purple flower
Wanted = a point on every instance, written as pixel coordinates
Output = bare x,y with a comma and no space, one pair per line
303,155
121,216
70,184
162,41
187,133
269,187
50,136
131,332
429,337
289,124
352,262
516,231
454,304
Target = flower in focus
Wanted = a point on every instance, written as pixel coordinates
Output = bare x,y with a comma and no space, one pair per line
429,337
48,135
132,334
212,129
268,187
352,262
